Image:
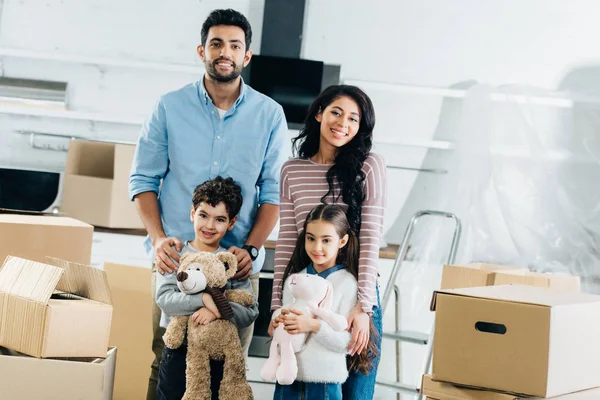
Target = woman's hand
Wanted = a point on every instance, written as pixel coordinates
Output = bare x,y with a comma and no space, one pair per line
359,325
278,320
297,322
203,316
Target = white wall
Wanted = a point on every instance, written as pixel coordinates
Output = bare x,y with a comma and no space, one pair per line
153,31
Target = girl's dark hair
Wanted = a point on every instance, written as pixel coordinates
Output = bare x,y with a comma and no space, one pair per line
347,167
226,17
348,255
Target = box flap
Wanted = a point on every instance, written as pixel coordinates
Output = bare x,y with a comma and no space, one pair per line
29,279
548,280
447,391
124,154
456,276
521,294
83,280
46,220
86,158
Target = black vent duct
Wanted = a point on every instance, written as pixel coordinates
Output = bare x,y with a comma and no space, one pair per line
283,21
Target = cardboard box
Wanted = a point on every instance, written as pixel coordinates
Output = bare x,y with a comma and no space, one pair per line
95,184
519,339
550,281
27,378
60,309
472,275
131,329
36,236
436,390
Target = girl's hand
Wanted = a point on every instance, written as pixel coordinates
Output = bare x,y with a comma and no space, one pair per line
296,322
358,322
203,316
275,323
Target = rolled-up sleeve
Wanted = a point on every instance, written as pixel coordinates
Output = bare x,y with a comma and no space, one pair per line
151,159
268,181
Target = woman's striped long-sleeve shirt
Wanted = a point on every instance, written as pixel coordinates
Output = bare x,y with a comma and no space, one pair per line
303,183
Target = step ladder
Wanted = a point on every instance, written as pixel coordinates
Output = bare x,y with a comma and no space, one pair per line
399,335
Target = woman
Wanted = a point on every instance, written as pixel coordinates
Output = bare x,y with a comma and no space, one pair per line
335,166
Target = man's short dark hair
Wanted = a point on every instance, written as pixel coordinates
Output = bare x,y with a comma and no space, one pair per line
226,17
217,190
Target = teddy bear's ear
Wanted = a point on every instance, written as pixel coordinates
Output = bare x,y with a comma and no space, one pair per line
185,256
229,261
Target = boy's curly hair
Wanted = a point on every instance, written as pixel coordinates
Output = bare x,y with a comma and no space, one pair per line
218,190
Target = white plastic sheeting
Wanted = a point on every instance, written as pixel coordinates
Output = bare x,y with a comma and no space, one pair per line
524,179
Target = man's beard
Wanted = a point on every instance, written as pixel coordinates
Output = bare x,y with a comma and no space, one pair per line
211,70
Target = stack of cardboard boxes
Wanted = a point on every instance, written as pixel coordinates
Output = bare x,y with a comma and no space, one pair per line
57,314
504,333
55,311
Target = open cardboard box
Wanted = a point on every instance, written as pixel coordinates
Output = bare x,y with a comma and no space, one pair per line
27,378
436,390
96,183
37,235
59,309
472,275
482,274
516,338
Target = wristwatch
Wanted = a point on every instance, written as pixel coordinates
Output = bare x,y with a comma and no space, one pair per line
253,251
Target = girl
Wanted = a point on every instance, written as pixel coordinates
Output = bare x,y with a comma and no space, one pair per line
335,165
326,247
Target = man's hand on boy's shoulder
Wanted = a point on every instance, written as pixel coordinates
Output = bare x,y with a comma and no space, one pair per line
165,251
244,268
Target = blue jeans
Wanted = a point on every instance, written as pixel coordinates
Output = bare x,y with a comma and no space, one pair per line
359,386
171,374
308,391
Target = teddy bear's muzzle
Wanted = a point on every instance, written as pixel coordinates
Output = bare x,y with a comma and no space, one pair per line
182,276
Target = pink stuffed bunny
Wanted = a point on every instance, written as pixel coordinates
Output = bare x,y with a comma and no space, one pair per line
313,296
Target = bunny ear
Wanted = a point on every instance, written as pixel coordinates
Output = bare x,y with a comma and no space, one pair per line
327,301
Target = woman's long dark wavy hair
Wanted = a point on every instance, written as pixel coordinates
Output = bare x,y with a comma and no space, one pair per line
348,255
347,167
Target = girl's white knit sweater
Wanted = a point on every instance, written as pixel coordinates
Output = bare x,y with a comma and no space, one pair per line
323,358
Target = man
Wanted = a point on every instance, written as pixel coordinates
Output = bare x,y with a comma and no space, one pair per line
216,126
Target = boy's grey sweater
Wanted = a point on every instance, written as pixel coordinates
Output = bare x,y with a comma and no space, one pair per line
173,303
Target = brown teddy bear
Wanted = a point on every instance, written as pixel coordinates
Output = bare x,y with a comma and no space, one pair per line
217,340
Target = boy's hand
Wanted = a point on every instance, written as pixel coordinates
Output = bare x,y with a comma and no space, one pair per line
203,316
164,254
209,303
244,268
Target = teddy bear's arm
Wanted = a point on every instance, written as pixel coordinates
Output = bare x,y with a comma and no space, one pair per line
240,296
175,332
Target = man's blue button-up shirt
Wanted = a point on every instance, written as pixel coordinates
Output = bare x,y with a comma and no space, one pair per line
185,142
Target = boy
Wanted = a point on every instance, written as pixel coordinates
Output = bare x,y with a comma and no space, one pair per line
215,205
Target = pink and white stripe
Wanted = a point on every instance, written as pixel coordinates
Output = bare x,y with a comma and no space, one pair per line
303,183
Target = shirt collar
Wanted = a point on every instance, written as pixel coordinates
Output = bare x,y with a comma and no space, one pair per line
312,271
203,94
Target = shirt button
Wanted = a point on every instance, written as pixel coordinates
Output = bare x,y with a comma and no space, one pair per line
218,137
215,163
